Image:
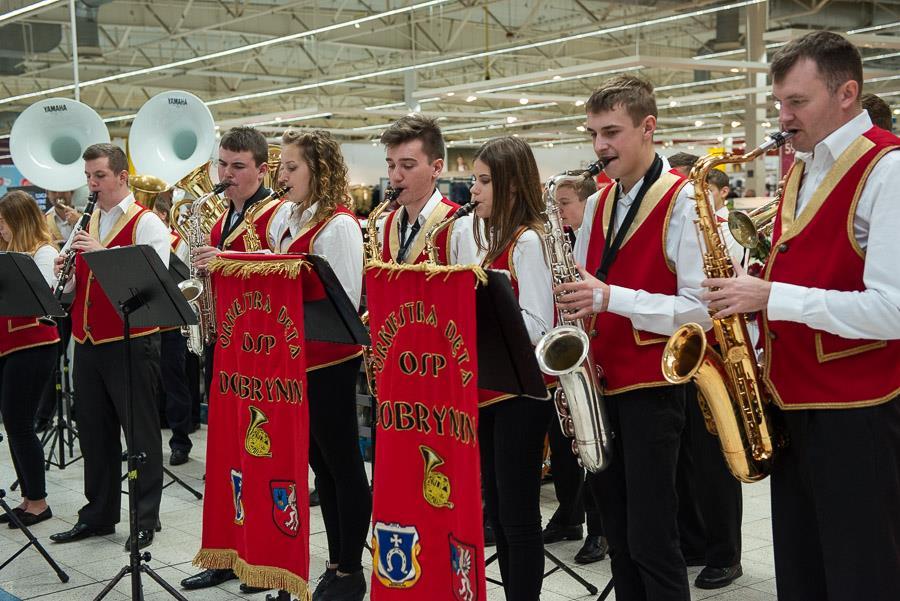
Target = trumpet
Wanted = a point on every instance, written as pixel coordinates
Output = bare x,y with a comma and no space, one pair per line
747,227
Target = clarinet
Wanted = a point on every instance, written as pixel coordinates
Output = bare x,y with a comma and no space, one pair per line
65,273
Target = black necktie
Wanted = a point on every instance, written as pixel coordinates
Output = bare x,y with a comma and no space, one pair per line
406,241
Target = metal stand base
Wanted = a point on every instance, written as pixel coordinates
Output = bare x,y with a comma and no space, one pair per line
32,541
559,565
135,568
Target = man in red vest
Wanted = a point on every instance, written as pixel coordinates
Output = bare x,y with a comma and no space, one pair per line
99,374
642,277
415,160
830,297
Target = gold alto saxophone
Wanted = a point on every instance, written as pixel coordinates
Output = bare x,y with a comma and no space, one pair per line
373,253
197,289
734,404
252,242
431,250
564,352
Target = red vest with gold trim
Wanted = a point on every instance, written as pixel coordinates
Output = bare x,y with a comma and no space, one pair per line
19,333
807,368
322,354
631,358
93,317
235,240
174,241
391,245
504,262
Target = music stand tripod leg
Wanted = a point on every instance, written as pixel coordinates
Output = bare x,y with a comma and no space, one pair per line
572,574
135,558
32,541
176,480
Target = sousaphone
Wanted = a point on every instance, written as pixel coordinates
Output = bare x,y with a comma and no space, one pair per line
48,139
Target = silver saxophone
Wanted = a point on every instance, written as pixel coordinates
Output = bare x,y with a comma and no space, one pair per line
197,289
564,352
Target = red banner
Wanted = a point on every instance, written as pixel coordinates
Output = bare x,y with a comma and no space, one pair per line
427,539
256,506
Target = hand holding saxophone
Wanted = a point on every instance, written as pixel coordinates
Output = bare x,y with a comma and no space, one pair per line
740,294
579,299
202,255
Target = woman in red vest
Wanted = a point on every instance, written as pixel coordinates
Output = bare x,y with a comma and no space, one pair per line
319,221
511,429
27,352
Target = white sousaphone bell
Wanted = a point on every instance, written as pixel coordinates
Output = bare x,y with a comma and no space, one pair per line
48,139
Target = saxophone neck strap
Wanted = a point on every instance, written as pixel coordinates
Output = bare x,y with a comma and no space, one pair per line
613,240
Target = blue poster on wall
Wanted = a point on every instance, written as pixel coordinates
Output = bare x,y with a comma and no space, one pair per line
10,176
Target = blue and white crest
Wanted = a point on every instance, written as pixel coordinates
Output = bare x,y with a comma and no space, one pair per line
396,551
237,496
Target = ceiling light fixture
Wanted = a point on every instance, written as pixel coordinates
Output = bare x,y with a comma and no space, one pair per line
474,56
229,52
27,9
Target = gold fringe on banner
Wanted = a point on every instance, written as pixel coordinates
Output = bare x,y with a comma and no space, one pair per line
395,269
244,268
262,576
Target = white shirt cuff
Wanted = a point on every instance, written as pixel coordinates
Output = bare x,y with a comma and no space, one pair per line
786,302
597,300
622,301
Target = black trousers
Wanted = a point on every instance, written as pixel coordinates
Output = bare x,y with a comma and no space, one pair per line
22,377
511,438
836,505
715,491
638,498
335,458
175,387
574,497
47,408
100,392
691,528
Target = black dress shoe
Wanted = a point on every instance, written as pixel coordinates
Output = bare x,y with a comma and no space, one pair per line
145,539
252,590
593,549
324,580
556,532
207,578
351,587
710,577
4,518
80,531
30,519
314,498
178,457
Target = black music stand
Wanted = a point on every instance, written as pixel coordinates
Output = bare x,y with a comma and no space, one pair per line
24,293
144,296
506,363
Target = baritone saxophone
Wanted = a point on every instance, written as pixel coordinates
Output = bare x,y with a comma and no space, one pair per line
730,392
564,352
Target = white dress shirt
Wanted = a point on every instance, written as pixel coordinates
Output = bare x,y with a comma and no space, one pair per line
873,313
65,229
653,312
340,242
150,230
458,236
183,251
44,258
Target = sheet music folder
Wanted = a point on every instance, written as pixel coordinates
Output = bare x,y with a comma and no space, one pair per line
506,361
333,319
23,290
136,276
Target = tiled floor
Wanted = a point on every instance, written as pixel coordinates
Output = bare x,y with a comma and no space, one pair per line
93,562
